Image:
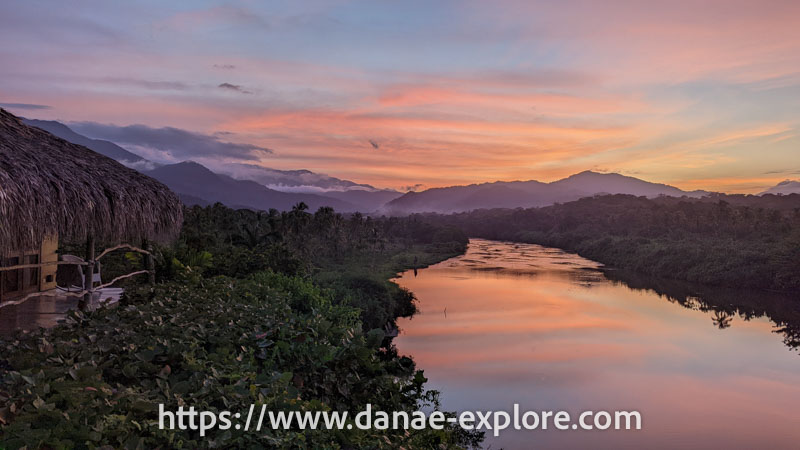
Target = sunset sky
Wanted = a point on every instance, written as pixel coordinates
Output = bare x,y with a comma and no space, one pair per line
697,94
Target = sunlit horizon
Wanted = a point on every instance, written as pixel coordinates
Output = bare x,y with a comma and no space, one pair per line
420,95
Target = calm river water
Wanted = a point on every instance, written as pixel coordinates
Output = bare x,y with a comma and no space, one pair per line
517,323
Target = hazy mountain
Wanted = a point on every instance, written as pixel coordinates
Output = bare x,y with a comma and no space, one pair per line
366,198
239,185
252,186
527,194
198,185
106,148
592,183
499,194
291,180
785,187
191,200
366,201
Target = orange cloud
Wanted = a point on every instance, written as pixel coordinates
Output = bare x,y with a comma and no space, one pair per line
676,91
543,103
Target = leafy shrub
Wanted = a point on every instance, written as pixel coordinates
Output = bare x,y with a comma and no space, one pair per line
216,344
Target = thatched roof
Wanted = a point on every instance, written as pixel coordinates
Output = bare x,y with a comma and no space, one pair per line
48,185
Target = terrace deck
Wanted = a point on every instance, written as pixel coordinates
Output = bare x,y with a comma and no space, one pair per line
44,311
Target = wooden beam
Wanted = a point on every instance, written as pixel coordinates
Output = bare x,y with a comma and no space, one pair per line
149,264
130,247
43,264
121,277
88,275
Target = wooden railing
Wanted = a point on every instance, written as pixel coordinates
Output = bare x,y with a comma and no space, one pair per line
42,264
86,292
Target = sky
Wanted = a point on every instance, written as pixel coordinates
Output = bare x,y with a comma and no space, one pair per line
697,94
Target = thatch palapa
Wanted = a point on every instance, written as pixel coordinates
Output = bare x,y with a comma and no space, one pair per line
49,186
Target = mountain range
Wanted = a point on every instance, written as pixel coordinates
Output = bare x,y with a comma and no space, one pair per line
527,194
196,184
785,187
256,187
107,148
292,180
243,185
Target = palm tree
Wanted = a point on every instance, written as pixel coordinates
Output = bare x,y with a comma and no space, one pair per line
722,319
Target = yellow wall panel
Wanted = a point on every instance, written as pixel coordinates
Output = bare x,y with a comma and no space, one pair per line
48,273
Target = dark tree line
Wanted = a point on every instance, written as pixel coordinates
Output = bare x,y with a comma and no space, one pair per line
352,255
733,241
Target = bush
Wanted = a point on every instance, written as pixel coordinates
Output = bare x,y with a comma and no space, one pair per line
218,344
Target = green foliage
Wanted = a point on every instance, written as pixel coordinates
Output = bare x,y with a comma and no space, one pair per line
379,301
218,344
733,241
354,256
282,309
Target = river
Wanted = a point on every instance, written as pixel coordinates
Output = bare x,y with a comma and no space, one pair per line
513,323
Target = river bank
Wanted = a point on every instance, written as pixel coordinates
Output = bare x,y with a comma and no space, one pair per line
727,241
519,323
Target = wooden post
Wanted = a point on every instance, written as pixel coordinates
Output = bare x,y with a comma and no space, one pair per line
149,265
88,276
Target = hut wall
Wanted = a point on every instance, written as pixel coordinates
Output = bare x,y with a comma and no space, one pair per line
48,254
15,283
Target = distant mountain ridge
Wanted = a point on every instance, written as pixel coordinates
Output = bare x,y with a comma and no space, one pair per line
246,185
528,194
256,187
367,198
299,180
785,187
195,183
106,148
